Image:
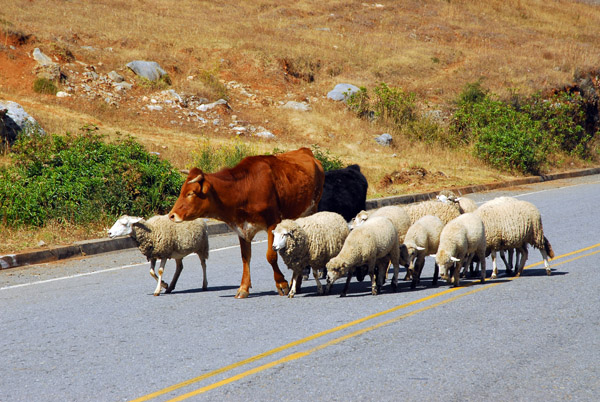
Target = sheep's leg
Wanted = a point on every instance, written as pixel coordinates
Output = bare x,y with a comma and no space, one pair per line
373,275
161,269
153,274
293,284
316,274
348,278
457,270
417,270
436,273
494,266
179,267
524,255
482,262
204,278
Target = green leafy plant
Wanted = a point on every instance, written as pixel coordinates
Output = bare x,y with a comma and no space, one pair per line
328,161
45,86
81,178
211,158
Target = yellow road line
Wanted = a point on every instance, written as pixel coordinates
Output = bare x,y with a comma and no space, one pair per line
297,355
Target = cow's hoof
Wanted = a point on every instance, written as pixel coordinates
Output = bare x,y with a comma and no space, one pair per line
156,293
283,289
169,290
242,294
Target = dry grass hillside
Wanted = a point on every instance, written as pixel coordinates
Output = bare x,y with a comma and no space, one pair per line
261,54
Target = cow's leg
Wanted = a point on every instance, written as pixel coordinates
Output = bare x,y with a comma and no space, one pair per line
280,282
161,269
179,267
244,289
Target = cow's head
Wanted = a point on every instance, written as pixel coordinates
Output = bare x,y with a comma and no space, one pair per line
194,200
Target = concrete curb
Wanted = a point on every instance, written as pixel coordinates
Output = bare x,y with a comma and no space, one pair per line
97,246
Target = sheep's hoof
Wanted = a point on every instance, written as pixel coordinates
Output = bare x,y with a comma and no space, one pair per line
242,294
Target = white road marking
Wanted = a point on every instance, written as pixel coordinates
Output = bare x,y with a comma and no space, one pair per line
106,270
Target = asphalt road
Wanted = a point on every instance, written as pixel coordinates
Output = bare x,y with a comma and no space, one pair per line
90,330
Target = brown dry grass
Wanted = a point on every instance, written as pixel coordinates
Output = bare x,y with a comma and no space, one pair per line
298,51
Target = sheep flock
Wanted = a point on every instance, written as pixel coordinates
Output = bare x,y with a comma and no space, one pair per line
453,231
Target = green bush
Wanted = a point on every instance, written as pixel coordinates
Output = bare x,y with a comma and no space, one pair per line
45,86
80,178
562,118
211,158
328,161
507,139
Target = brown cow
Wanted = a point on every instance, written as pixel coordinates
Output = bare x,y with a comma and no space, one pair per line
253,196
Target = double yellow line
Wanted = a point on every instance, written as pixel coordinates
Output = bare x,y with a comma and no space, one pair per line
298,355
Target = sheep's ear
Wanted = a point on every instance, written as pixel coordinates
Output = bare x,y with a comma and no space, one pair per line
420,248
454,259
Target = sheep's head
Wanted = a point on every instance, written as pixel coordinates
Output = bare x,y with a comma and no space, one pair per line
282,233
123,226
445,261
359,219
335,269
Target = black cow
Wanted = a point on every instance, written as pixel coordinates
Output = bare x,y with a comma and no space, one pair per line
344,192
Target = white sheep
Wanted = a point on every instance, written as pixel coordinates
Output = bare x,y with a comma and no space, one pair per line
513,224
422,239
160,238
446,212
461,239
374,244
309,242
401,222
463,204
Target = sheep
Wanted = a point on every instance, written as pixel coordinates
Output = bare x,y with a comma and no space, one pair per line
461,239
310,241
513,224
463,204
374,243
159,237
401,222
422,239
446,212
344,192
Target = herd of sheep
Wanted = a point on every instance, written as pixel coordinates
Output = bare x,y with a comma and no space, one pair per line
453,230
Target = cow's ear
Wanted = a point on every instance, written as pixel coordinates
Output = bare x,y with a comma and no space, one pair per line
204,187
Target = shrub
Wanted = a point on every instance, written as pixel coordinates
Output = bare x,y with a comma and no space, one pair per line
507,139
328,161
211,158
562,118
44,86
80,178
